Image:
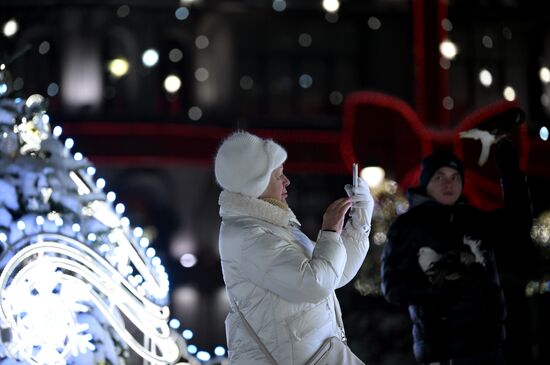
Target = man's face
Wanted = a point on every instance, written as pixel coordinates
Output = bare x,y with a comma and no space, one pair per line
445,186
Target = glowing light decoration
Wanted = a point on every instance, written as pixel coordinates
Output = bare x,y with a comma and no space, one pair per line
509,93
76,283
118,67
331,5
10,28
544,74
373,175
150,57
172,83
448,49
485,77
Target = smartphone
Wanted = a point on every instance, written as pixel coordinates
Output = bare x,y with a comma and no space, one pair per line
355,174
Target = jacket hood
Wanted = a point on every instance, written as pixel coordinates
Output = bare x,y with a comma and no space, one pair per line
235,204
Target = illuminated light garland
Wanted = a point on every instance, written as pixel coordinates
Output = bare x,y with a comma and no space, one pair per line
99,280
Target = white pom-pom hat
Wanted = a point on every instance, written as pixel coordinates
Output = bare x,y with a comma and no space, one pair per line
244,163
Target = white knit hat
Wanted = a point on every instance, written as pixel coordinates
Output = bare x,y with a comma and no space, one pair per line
244,163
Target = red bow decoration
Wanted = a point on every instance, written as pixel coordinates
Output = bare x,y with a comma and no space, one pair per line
382,130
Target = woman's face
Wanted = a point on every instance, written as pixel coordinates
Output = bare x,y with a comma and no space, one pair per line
445,186
276,189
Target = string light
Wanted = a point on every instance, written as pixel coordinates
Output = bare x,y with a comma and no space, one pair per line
172,83
509,93
331,6
485,78
118,67
150,57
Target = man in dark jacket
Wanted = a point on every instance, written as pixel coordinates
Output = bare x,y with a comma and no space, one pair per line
440,261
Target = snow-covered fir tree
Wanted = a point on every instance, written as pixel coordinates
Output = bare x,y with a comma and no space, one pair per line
77,285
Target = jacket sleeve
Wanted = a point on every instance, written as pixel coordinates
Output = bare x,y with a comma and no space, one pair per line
403,282
356,243
281,266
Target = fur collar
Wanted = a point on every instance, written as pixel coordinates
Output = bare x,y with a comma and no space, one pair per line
234,204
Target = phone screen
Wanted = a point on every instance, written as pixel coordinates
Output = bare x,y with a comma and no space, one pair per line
355,173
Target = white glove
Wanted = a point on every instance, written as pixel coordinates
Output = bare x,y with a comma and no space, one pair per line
362,205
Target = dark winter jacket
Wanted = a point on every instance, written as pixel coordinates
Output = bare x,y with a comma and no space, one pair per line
440,262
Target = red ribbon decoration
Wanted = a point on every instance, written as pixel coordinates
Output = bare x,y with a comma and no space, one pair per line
382,130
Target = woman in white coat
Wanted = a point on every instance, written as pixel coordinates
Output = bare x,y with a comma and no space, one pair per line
280,283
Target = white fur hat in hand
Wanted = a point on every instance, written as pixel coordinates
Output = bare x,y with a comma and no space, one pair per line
244,163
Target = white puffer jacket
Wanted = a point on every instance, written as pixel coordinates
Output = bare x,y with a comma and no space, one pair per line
282,283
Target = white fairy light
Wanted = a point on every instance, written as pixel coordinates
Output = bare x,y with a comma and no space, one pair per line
125,222
111,196
448,49
76,227
144,242
120,208
118,67
100,183
203,356
91,170
373,175
150,252
92,237
39,220
3,237
188,260
485,78
78,156
150,57
187,334
544,74
543,133
172,84
219,351
21,225
509,93
10,28
138,232
57,130
331,5
174,323
69,143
